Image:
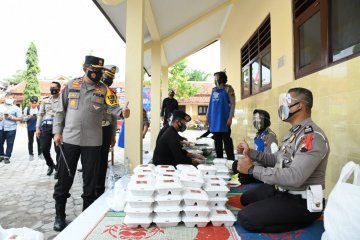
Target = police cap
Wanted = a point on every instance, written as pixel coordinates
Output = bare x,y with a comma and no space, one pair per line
178,114
110,70
95,62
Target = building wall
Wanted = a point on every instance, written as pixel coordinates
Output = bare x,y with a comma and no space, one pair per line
336,89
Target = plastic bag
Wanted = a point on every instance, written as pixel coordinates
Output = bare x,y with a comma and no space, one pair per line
20,234
342,211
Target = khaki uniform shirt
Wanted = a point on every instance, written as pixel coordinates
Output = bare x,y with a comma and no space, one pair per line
47,110
80,112
301,160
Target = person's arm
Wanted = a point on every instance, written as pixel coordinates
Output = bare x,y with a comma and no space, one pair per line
60,113
269,139
162,112
176,150
265,159
303,165
40,115
232,99
18,116
205,134
176,105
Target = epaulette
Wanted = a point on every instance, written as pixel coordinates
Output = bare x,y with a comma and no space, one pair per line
308,129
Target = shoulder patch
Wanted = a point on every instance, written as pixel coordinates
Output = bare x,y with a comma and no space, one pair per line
308,129
111,98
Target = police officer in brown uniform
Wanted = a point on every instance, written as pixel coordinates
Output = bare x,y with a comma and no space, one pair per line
294,177
109,125
44,126
77,125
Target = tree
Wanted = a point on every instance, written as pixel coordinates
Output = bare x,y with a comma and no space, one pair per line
198,76
178,80
16,78
32,87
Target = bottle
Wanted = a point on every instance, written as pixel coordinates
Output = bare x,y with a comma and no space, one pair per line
125,178
111,180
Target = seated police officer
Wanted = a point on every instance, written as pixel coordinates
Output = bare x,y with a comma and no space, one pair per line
265,140
168,150
294,176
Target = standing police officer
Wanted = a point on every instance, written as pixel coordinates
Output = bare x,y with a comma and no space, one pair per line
44,126
294,177
169,105
109,125
78,125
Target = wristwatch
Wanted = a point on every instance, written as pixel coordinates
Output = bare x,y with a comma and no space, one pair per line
251,170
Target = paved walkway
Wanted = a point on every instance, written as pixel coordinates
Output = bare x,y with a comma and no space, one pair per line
26,191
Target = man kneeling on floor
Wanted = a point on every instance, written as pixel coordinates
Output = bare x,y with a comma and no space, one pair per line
168,150
294,177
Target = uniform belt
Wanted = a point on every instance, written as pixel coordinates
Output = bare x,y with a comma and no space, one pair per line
302,193
105,123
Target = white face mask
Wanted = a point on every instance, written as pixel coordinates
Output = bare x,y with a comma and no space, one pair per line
9,101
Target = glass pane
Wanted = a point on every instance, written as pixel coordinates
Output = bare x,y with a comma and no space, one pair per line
266,70
345,28
310,41
246,82
255,77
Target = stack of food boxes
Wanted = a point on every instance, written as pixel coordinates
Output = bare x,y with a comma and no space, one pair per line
221,169
168,196
140,197
155,194
196,210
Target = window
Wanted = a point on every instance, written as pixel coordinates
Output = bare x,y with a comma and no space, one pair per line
182,108
202,110
256,61
325,32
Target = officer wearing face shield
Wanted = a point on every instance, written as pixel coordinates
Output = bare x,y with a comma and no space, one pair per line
294,176
168,150
265,141
77,125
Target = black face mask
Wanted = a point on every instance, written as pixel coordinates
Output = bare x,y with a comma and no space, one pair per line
94,76
54,91
108,81
182,127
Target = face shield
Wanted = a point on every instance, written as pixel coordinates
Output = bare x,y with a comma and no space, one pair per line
258,121
285,105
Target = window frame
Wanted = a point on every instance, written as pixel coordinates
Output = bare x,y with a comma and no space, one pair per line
258,57
202,106
326,59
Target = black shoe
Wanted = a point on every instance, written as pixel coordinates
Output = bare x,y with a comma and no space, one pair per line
1,158
59,223
6,160
80,170
50,170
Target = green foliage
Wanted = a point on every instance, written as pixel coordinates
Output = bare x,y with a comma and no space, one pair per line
198,76
16,78
32,87
178,80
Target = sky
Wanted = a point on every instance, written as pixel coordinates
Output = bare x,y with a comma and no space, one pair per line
64,31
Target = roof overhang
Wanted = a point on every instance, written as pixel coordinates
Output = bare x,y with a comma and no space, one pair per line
181,26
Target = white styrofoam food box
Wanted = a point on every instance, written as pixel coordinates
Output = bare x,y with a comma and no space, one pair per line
138,212
167,175
216,190
163,168
167,211
219,161
218,202
191,180
136,222
222,169
216,180
224,176
139,201
194,221
182,167
141,187
169,186
207,169
196,211
195,197
168,200
142,167
163,222
221,217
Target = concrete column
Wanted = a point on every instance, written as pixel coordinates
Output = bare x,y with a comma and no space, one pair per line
155,92
164,82
134,80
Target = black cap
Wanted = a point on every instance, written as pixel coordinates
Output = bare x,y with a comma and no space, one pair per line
178,114
94,62
34,99
171,91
